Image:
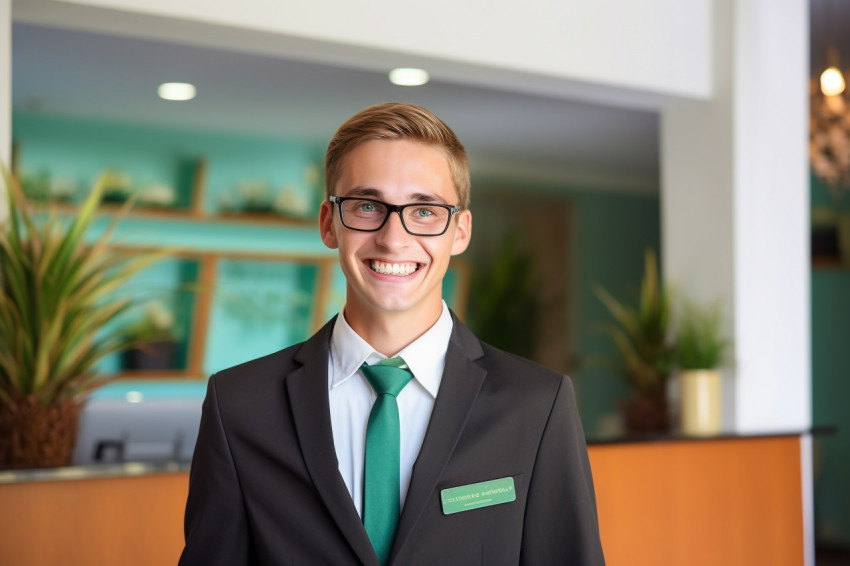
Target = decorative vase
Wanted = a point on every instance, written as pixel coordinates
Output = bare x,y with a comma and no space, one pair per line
33,435
646,412
700,402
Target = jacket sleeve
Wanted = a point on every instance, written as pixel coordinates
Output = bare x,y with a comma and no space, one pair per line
215,525
561,525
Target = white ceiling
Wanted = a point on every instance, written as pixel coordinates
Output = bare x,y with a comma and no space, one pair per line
508,134
512,133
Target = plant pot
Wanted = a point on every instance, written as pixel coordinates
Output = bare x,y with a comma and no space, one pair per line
700,402
33,435
152,356
646,412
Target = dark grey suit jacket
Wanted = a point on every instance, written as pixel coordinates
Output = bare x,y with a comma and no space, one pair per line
265,488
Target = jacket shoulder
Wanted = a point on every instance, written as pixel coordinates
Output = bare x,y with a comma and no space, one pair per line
525,376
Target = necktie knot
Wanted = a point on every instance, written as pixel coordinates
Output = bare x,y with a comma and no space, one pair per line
386,378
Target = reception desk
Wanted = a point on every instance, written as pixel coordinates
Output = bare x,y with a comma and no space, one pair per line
729,500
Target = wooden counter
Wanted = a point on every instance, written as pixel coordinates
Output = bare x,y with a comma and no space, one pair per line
94,519
719,502
726,501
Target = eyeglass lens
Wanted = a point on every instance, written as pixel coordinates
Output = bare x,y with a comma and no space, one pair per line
417,218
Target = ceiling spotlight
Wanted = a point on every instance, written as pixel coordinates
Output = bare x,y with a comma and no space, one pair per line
176,91
408,76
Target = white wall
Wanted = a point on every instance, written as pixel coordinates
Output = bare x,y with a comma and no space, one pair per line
573,47
735,206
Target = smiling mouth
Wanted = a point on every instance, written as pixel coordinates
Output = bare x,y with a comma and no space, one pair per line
398,269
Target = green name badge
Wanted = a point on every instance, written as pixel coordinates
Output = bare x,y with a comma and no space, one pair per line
477,495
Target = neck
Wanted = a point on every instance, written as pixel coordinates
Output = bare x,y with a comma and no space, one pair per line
390,333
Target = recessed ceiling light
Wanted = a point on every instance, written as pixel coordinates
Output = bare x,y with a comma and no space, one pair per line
176,91
408,76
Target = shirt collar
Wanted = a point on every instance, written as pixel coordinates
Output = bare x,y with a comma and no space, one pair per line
425,356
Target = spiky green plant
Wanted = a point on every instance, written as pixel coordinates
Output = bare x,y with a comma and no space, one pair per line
57,293
699,339
505,301
640,333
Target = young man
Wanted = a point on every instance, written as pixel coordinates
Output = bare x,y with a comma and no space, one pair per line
450,453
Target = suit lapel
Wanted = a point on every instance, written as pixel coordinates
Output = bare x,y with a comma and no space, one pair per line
308,393
459,388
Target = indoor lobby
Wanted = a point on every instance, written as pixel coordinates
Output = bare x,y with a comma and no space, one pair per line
639,170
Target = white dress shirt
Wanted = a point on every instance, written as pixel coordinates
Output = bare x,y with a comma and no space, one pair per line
351,398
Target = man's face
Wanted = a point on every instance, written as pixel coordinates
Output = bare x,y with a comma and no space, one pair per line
391,272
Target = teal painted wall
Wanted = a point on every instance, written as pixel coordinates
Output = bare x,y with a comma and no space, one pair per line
75,151
611,233
257,306
608,235
830,287
830,397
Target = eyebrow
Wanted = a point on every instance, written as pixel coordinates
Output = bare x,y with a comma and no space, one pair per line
369,192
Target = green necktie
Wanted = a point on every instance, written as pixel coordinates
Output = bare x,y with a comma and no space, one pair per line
381,470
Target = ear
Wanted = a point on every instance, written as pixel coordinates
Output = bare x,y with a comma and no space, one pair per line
326,225
463,232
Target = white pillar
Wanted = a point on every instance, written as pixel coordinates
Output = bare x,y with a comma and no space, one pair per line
735,207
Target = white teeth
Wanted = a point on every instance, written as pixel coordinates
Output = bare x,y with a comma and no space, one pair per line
400,269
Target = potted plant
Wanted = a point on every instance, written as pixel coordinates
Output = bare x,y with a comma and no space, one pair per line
505,302
156,338
640,334
57,293
700,347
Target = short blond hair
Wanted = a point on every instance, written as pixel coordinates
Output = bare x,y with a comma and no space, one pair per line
403,121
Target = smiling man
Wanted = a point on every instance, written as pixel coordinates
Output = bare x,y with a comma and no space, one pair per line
392,436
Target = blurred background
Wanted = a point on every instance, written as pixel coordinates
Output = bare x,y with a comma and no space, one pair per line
593,136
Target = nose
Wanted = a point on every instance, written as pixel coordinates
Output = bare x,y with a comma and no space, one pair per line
392,234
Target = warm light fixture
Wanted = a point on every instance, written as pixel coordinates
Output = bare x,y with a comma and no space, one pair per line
176,91
408,76
831,80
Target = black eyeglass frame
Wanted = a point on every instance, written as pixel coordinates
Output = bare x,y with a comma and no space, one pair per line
399,208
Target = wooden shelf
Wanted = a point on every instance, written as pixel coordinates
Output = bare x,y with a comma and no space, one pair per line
184,215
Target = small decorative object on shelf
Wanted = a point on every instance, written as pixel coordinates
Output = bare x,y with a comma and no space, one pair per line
42,187
700,348
640,334
253,196
117,186
290,201
257,197
154,337
57,293
157,195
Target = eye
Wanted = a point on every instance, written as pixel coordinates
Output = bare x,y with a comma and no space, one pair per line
423,212
366,207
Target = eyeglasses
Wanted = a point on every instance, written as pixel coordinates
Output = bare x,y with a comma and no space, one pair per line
418,219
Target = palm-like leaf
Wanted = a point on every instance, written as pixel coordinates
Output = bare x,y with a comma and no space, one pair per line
58,292
640,334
